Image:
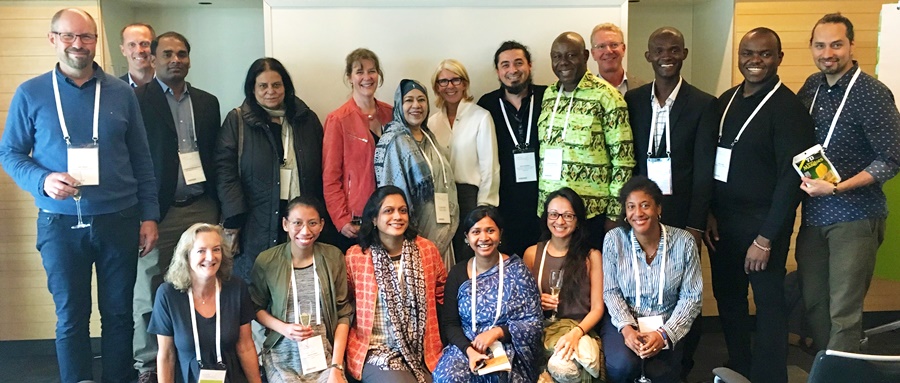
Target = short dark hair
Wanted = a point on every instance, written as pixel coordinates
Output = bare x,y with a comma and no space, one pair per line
480,213
171,35
262,65
368,233
834,18
305,200
768,31
150,28
508,46
638,183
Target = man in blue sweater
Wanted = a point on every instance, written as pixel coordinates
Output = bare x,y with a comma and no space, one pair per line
60,125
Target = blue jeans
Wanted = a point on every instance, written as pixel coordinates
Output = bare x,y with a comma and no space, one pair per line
68,255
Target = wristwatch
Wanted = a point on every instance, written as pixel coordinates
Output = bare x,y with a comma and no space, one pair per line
338,366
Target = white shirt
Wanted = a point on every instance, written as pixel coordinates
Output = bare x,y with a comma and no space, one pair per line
661,114
473,128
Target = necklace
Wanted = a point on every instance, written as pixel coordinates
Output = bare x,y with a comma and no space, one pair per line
370,116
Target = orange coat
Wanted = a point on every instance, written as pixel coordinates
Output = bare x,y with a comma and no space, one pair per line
362,286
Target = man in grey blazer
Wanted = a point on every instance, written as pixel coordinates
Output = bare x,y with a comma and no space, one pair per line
182,123
674,129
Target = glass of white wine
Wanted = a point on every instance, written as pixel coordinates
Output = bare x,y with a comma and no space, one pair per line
77,198
305,314
555,286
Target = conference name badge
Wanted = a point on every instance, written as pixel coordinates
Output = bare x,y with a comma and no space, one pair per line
526,169
723,163
84,164
659,170
442,207
191,167
212,376
551,165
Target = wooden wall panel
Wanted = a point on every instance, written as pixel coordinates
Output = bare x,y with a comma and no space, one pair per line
26,307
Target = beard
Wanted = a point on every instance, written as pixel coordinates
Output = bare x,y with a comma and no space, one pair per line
78,62
518,88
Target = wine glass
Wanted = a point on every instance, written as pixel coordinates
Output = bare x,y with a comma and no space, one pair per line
77,198
555,286
642,379
305,314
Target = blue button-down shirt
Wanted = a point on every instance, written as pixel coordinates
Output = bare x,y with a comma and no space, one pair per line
866,138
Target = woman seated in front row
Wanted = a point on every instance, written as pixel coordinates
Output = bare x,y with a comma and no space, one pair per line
397,279
491,300
652,289
201,315
300,292
579,302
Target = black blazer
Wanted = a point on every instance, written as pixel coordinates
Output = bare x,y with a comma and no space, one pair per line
694,130
163,139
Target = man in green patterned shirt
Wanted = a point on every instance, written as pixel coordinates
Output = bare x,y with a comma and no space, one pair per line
585,137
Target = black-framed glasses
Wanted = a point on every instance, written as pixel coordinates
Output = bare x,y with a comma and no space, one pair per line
603,46
554,215
68,38
447,81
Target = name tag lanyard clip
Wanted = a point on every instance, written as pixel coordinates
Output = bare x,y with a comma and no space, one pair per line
637,274
839,109
475,294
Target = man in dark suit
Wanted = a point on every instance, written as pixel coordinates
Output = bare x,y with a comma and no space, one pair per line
182,123
674,129
135,47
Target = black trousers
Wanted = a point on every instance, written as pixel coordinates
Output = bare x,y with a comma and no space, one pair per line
766,360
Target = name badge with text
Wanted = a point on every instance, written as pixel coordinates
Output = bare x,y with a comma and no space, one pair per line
285,192
191,167
84,164
551,164
723,163
211,376
442,207
312,355
659,170
526,169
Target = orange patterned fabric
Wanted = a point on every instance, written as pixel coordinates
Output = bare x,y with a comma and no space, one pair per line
361,286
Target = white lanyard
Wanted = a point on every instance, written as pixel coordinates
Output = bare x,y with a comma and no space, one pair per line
758,107
440,158
286,141
62,118
218,325
653,122
568,112
475,294
635,265
839,109
316,287
541,268
527,128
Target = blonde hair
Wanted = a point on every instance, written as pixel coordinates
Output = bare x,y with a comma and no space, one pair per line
179,273
456,68
607,27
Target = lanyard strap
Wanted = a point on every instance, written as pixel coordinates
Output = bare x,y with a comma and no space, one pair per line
662,273
568,112
839,109
541,268
315,286
62,118
527,128
475,294
286,142
440,158
758,107
218,325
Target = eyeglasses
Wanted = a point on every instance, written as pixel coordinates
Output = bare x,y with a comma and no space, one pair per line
68,38
554,215
611,46
300,224
447,81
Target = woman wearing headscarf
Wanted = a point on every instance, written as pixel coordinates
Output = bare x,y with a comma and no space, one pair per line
467,131
409,157
268,152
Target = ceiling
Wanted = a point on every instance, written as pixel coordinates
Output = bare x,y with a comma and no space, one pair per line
189,3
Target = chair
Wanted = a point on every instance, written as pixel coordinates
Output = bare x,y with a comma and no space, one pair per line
837,367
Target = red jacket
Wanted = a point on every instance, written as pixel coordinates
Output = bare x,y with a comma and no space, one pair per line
348,160
361,285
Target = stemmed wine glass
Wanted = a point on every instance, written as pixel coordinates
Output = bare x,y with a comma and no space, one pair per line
305,314
77,198
555,286
642,379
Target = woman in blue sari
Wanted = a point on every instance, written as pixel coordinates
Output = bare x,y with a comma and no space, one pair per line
507,310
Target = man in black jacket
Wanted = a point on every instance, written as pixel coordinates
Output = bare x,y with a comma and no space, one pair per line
674,129
182,123
135,47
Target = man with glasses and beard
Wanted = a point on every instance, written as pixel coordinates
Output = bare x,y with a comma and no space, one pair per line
515,107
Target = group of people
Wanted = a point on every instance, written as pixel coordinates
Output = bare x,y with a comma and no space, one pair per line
545,203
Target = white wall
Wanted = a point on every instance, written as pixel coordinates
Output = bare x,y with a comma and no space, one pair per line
646,18
116,15
412,37
713,46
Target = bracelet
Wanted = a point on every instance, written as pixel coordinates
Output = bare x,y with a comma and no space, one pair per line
834,191
583,333
665,336
761,247
338,366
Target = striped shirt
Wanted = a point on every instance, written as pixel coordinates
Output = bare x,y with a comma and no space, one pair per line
682,287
